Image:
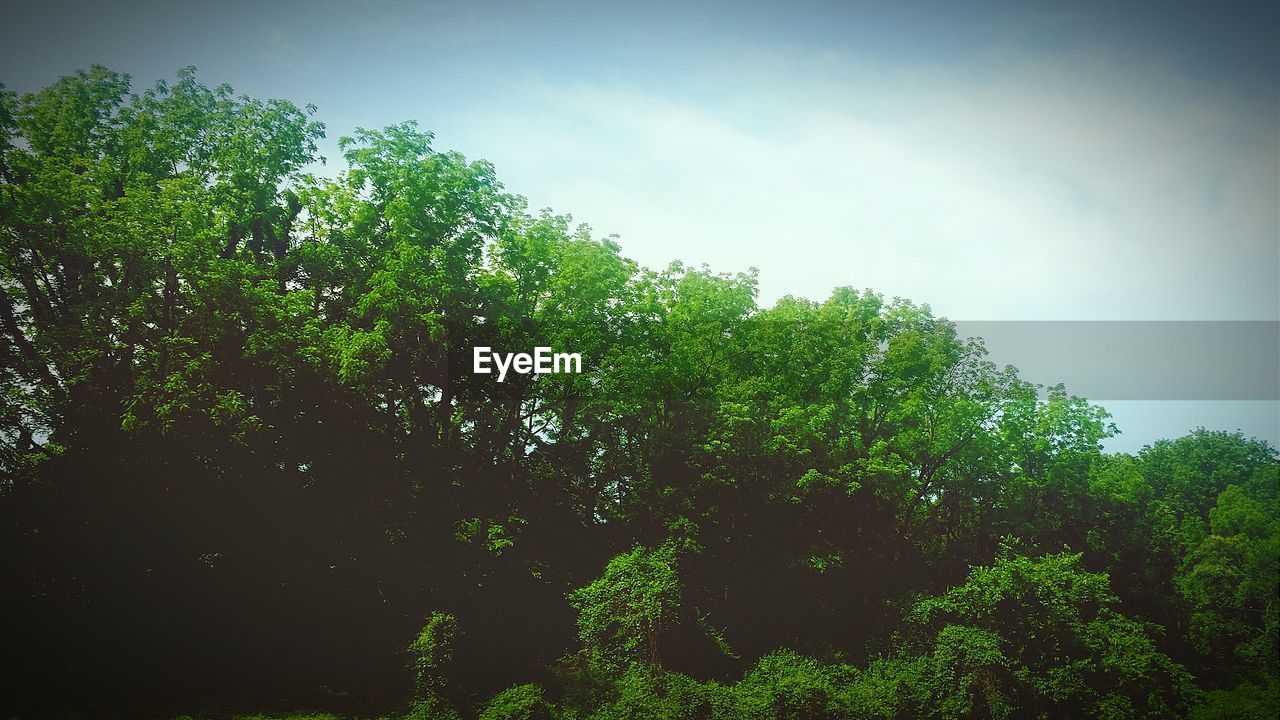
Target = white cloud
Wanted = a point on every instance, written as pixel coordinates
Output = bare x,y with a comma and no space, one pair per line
1072,190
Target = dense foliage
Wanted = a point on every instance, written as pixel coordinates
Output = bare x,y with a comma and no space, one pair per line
245,463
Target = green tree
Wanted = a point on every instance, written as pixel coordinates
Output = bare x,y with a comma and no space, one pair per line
1041,637
1231,580
623,613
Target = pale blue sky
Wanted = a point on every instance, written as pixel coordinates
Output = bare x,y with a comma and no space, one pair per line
995,160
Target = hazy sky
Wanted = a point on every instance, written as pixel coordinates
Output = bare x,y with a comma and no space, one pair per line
995,160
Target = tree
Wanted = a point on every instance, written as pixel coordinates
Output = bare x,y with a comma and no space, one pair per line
1040,637
1230,581
622,614
240,439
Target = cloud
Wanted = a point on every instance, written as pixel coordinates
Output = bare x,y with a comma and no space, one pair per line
1078,189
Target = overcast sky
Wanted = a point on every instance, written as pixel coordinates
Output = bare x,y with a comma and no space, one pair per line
997,161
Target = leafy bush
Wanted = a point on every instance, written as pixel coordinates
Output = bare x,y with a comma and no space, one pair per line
522,702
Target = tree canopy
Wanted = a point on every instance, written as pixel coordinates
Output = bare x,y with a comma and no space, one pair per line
244,462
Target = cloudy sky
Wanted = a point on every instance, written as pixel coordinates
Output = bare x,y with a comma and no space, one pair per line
998,161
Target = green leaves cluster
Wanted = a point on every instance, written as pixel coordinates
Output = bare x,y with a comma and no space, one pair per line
209,353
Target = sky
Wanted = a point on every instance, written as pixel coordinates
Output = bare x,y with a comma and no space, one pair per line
998,161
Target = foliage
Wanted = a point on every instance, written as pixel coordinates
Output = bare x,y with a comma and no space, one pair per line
1231,581
242,456
431,651
622,614
1042,635
522,702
